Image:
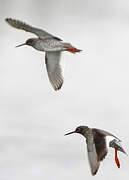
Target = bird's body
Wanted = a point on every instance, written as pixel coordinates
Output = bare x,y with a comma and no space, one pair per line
47,43
96,145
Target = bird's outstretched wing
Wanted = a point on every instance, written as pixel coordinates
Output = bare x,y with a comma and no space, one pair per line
52,60
105,133
92,156
21,25
100,144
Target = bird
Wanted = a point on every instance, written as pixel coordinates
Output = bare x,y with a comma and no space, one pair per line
96,145
51,45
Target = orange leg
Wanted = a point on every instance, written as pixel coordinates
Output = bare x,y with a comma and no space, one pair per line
116,159
72,50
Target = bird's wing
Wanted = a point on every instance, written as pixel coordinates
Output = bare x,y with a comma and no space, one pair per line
100,144
105,133
92,156
116,144
52,60
21,25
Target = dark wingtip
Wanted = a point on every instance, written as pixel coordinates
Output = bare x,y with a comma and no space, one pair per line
95,172
6,19
59,87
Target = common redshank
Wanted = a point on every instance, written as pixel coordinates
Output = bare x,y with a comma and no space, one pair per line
96,145
51,45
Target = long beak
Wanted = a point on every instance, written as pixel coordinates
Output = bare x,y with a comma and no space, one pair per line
70,133
21,45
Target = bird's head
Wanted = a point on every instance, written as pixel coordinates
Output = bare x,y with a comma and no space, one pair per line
81,130
29,42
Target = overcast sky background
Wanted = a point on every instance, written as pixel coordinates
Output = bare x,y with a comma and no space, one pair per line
34,118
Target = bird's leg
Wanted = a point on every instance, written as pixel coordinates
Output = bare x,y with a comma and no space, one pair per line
72,49
116,159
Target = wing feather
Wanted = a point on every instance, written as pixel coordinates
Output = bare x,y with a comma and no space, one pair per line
100,144
92,156
52,60
21,25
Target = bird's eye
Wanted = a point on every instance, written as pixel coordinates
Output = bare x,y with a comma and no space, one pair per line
78,129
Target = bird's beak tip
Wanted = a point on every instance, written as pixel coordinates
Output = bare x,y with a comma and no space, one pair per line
70,133
20,45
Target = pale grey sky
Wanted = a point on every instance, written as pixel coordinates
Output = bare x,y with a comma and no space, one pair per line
34,118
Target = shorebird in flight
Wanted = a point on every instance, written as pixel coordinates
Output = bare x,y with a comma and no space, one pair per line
51,45
96,145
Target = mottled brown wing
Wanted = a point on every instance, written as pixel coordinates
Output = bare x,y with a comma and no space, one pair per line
100,144
52,60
